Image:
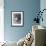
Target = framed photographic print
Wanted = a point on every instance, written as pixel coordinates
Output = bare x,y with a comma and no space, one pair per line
17,18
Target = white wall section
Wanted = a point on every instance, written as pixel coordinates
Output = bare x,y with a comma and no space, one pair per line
1,20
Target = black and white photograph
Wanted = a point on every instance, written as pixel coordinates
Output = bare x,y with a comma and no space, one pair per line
17,18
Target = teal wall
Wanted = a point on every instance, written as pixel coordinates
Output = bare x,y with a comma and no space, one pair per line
29,7
43,6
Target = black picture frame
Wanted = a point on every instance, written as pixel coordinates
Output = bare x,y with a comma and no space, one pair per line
17,18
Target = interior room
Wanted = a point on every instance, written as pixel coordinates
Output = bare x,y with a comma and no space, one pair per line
22,23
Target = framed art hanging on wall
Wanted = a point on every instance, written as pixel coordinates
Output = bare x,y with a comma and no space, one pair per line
17,18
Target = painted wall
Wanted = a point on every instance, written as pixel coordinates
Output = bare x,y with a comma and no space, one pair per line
43,6
30,7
